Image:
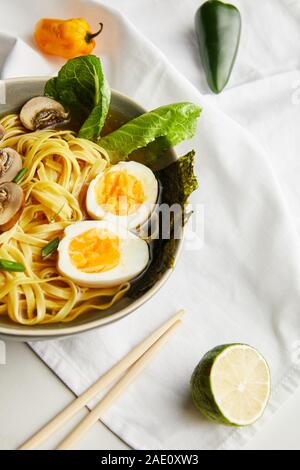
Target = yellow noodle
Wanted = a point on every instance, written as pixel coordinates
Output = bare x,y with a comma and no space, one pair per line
59,164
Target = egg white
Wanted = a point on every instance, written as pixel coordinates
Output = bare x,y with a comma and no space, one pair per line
134,256
150,186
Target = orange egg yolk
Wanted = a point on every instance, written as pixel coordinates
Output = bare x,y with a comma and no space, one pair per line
95,251
121,194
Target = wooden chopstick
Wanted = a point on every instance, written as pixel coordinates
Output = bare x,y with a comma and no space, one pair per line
115,391
98,386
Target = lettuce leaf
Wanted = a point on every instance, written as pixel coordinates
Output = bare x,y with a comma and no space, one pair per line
178,182
81,87
162,128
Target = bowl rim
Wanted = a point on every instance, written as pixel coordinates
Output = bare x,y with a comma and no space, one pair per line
37,332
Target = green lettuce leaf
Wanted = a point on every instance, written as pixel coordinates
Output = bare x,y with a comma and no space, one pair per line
93,125
162,128
81,87
178,182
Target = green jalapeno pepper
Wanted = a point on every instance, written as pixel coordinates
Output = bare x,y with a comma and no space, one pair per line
218,28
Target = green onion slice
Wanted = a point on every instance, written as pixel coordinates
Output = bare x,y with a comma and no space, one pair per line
50,248
20,175
7,265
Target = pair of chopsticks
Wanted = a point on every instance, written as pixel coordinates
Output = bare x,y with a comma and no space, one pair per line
133,363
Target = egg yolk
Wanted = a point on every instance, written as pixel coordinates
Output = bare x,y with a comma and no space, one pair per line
95,251
121,194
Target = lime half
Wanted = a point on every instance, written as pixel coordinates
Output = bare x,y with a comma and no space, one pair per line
231,385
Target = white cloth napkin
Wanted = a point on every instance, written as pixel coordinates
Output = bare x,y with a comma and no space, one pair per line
243,285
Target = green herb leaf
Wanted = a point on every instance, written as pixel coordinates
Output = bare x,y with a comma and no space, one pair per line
7,265
50,88
81,87
178,182
50,248
19,176
163,127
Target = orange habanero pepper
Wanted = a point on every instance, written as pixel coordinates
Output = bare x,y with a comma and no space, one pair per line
65,38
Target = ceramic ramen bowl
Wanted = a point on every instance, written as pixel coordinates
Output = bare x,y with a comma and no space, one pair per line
17,91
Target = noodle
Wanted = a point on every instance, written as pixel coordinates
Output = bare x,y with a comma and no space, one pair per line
59,166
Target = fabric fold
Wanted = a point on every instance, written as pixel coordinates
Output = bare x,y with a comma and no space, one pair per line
242,284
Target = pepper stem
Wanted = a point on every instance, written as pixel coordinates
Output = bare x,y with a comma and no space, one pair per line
90,36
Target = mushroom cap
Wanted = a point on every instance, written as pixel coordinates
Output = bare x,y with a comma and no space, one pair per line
10,164
41,112
2,132
11,204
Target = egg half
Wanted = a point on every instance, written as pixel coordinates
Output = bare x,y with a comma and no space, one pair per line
100,254
125,193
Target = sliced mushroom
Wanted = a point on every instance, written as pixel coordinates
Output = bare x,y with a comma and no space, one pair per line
41,112
10,164
2,132
11,205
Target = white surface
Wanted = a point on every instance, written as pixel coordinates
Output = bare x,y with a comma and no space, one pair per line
31,395
267,209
